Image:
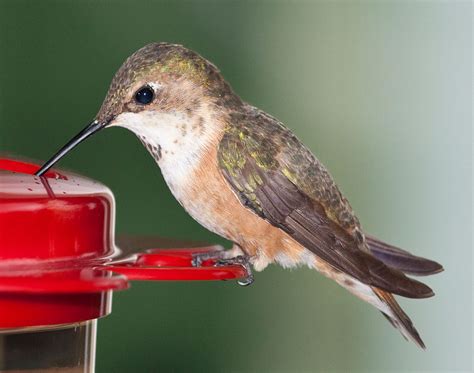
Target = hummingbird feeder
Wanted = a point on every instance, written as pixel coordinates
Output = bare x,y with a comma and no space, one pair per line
59,266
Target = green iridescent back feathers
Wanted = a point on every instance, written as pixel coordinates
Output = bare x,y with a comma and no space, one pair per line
272,146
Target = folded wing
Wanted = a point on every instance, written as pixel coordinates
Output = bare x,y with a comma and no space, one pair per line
259,164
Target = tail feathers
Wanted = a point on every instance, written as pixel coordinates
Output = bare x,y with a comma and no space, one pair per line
398,318
401,259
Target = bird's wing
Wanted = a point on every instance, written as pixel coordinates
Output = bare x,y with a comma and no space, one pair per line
279,179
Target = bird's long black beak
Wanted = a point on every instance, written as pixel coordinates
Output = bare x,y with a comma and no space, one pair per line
91,128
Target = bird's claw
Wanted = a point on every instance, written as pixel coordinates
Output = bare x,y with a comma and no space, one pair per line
243,261
221,260
246,281
196,261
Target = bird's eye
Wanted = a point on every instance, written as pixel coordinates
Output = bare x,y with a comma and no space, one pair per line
144,95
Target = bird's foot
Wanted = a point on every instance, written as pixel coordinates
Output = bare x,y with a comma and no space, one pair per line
242,260
227,257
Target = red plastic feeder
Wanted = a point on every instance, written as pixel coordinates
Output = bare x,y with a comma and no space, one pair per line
59,266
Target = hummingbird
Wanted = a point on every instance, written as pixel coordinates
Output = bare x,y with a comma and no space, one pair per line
245,176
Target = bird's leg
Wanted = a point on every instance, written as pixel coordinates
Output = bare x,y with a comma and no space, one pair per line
237,256
227,257
243,260
219,254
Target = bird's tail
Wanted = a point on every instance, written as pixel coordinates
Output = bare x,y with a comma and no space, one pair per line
398,318
402,260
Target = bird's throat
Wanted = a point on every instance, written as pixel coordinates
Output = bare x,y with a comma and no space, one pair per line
176,140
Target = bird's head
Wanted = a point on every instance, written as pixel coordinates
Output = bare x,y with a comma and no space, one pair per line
163,92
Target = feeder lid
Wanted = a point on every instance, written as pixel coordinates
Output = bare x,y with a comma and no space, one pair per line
57,249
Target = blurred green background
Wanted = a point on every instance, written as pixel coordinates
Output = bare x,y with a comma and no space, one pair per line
380,91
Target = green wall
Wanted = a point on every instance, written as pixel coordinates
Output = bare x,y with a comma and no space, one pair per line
380,91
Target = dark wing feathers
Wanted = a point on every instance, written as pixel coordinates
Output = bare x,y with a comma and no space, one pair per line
401,259
285,206
252,162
